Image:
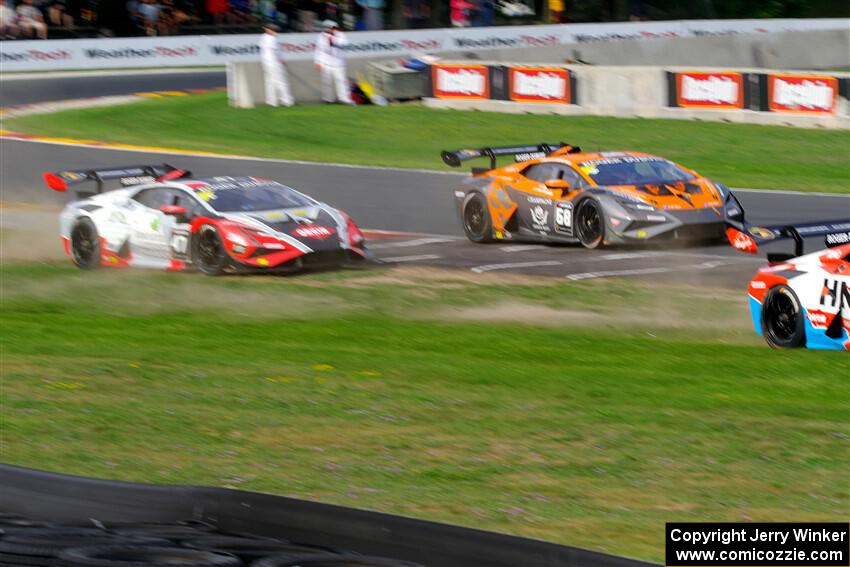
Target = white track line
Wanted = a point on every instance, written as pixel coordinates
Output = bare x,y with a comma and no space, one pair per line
522,247
418,258
508,266
634,255
410,243
643,271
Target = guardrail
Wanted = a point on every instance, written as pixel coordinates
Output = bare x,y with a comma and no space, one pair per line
65,498
196,50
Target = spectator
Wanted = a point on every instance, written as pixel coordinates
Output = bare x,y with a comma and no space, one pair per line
417,14
287,13
556,11
31,20
267,10
329,58
241,11
373,14
459,12
217,9
58,16
167,18
149,12
8,20
274,68
485,14
184,12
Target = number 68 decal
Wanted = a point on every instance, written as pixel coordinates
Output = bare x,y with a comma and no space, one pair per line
564,217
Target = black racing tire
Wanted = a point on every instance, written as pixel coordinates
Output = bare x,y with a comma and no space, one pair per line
136,556
208,251
590,223
477,224
85,244
331,560
782,318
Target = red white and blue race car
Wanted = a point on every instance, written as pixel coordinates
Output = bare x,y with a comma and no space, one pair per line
800,300
163,218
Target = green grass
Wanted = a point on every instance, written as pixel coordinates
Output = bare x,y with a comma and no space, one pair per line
740,155
376,389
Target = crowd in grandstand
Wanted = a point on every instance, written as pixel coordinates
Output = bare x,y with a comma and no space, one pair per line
57,19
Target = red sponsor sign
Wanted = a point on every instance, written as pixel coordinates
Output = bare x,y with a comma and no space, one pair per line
314,231
461,81
539,84
696,89
810,94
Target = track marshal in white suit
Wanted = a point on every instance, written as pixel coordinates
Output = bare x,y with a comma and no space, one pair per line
274,69
329,59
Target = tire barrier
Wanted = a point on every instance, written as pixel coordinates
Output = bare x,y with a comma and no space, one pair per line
101,523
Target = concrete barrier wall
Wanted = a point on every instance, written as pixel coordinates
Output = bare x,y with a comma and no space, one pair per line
110,53
645,92
624,91
623,78
246,86
820,49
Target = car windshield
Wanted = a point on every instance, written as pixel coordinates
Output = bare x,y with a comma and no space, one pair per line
255,198
634,171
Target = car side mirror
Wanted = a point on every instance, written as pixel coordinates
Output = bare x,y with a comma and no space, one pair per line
174,211
561,185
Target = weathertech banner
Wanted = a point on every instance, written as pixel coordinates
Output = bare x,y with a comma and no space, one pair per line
821,544
722,90
539,84
461,81
812,94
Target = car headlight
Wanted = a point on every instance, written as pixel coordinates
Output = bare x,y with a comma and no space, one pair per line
734,210
636,206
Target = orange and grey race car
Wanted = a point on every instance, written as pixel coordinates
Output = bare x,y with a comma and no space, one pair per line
557,193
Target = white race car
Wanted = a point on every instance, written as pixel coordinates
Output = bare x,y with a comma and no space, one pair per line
163,218
800,300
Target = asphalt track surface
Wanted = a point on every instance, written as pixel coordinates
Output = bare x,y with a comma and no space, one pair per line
418,204
22,89
421,204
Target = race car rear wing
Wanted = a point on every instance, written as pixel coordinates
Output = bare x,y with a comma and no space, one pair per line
747,238
127,176
455,158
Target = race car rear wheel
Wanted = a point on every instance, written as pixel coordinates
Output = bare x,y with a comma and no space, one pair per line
477,223
210,255
782,318
85,244
590,223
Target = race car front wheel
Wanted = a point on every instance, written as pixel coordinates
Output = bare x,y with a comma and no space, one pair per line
210,255
782,318
590,223
477,223
85,244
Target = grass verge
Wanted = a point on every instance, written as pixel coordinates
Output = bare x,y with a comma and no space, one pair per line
377,389
740,155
